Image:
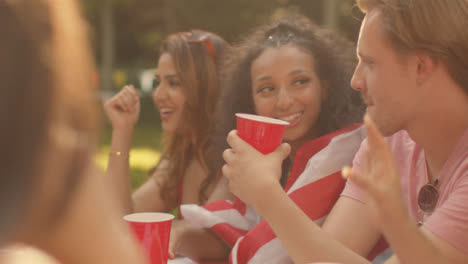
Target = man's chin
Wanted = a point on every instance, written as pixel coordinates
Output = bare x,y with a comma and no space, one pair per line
385,128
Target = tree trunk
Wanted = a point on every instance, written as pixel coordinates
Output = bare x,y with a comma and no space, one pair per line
107,45
169,17
330,9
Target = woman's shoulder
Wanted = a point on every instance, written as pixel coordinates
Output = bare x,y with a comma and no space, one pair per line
160,171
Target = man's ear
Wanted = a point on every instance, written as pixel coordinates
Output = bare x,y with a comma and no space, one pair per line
425,67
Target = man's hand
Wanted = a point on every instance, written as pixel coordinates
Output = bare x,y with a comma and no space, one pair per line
379,179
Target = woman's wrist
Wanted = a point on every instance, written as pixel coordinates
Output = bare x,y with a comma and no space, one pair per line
123,130
264,202
122,141
119,154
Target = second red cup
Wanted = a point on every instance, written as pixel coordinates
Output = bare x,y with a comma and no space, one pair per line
263,133
153,231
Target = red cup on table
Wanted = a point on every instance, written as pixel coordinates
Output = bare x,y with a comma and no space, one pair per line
153,231
263,133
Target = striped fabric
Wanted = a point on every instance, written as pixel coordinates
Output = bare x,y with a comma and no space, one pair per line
314,185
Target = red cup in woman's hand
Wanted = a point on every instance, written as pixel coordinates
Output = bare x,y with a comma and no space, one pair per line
263,133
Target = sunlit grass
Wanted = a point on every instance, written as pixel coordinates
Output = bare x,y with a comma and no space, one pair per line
140,158
141,161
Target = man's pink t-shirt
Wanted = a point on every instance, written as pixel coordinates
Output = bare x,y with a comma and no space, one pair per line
449,221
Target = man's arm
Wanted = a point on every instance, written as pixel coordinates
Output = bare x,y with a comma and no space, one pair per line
419,245
380,181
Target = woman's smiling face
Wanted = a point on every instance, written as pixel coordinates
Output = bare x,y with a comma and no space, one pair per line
168,95
286,86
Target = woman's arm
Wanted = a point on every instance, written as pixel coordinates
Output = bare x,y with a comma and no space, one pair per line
118,167
123,111
346,236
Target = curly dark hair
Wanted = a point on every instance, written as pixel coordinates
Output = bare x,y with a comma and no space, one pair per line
334,63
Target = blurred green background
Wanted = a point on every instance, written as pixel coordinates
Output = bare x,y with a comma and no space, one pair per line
126,35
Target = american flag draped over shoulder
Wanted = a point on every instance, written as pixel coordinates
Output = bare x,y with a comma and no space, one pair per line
314,185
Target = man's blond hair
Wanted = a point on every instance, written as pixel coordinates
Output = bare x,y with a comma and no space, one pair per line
437,27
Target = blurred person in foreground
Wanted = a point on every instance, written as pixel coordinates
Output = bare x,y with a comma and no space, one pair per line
51,194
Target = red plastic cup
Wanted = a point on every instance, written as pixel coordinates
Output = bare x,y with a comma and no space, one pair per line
263,133
153,231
